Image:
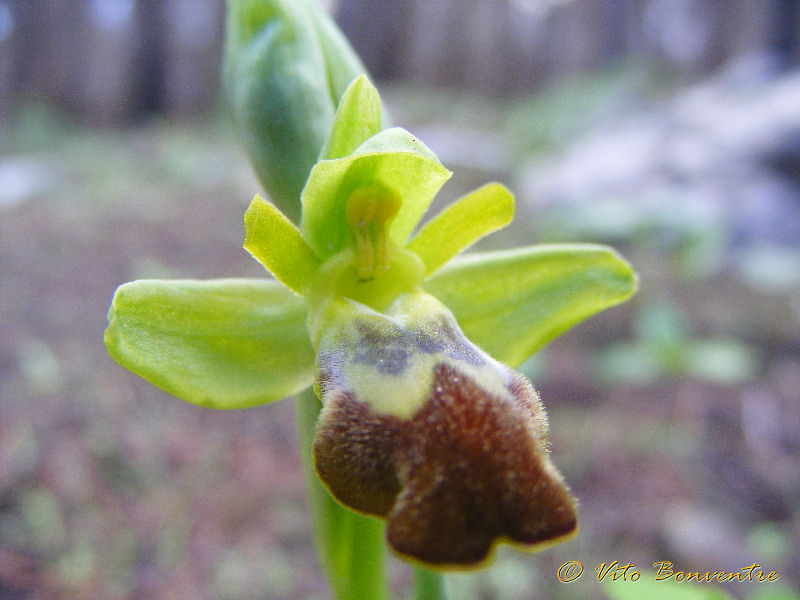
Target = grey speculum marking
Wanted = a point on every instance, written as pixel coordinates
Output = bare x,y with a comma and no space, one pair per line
389,349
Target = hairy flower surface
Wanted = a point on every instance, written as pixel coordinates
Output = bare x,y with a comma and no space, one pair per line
422,428
419,424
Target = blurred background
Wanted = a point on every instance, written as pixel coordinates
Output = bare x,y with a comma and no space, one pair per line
667,128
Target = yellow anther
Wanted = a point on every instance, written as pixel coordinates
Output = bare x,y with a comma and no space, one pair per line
369,210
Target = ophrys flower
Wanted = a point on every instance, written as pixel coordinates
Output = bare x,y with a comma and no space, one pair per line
420,425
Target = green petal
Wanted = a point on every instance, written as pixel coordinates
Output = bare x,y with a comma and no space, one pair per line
511,303
276,243
226,343
392,159
463,223
357,119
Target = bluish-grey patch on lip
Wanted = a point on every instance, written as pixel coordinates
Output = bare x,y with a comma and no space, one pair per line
389,348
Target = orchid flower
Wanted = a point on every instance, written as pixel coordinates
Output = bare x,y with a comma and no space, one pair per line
400,350
409,347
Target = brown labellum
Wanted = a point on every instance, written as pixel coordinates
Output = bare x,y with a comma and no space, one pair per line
468,469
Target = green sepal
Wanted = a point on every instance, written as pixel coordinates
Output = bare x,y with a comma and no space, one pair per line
393,160
397,139
511,303
357,119
285,68
225,343
276,243
461,224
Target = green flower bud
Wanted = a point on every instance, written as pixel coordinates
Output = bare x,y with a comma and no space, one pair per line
286,67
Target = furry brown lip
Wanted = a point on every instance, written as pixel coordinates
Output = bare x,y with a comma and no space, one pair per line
467,470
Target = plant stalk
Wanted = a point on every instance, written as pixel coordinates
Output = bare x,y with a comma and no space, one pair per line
350,546
428,585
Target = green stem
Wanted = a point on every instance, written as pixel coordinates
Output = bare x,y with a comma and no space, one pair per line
351,546
428,585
